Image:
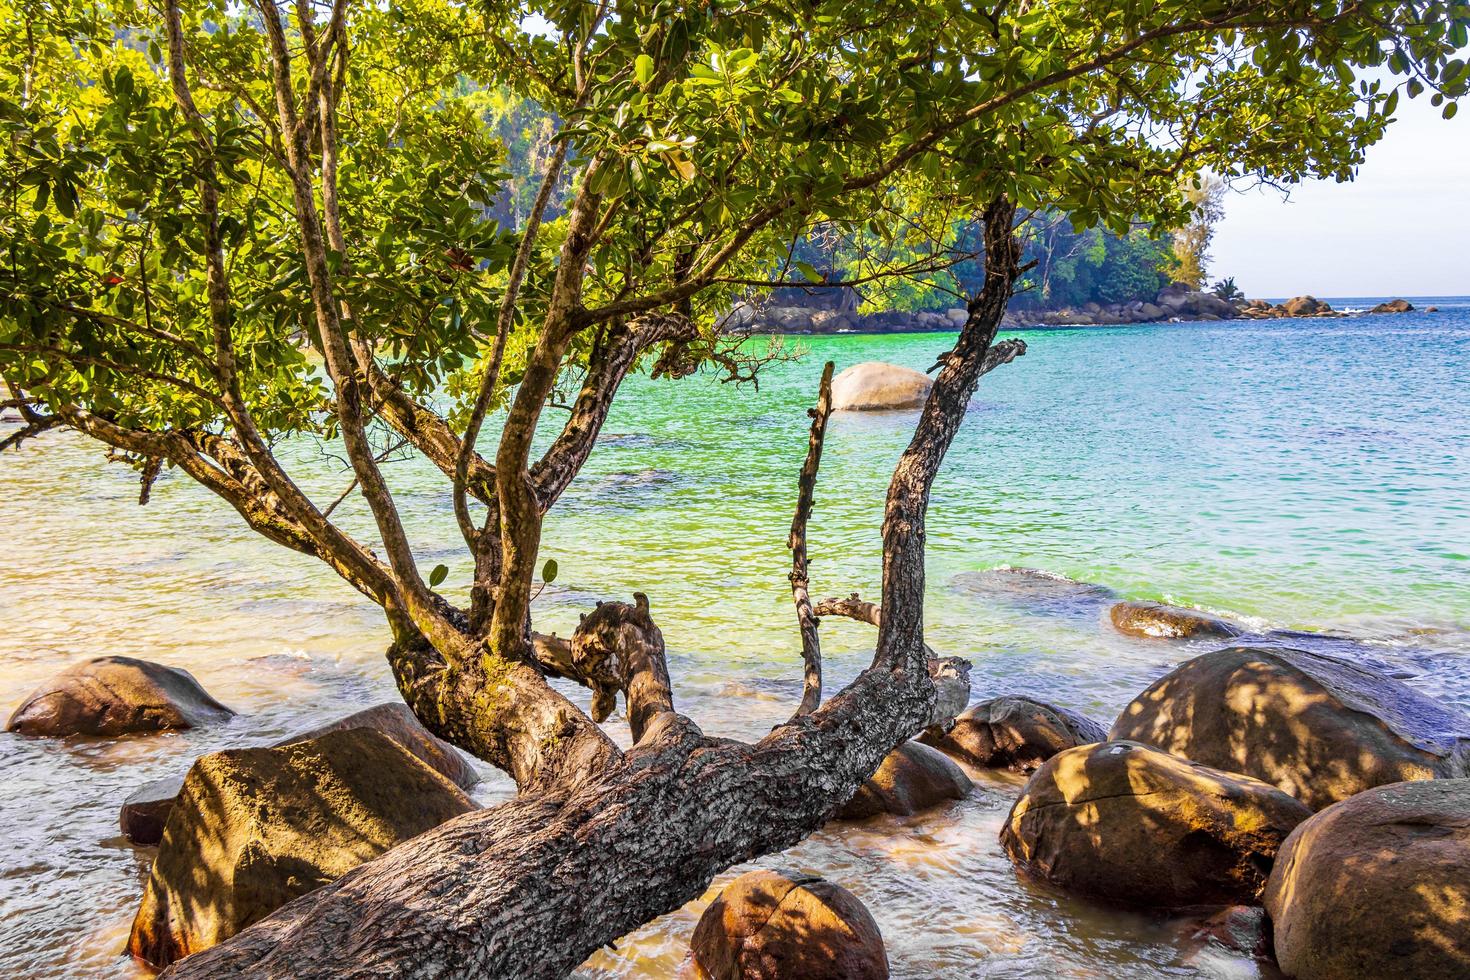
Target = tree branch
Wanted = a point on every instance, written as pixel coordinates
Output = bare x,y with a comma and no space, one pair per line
811,644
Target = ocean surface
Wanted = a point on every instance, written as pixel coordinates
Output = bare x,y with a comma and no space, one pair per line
1306,475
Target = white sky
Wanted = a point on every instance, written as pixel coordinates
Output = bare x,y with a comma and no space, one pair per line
1402,228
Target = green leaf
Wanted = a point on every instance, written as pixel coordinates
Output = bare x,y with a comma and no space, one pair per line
810,271
643,69
548,571
438,575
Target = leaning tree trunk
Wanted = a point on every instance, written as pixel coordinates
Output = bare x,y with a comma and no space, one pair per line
531,888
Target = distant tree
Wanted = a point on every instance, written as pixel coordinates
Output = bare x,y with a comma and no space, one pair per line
1227,290
255,224
1205,194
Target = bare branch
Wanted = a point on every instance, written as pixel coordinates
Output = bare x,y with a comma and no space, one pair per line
811,644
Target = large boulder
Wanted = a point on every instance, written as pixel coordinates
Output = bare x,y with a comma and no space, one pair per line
255,828
1305,306
912,778
875,387
1014,732
1126,822
397,720
1154,620
776,925
1317,727
1377,886
116,696
1394,306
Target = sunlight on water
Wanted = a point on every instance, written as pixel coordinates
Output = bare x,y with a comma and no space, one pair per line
1290,475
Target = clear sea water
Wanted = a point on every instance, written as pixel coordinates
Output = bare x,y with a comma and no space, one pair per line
1307,475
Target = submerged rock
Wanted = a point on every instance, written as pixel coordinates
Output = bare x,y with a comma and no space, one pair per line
255,828
1126,822
1014,732
1154,620
116,696
874,387
146,811
1377,886
776,925
912,778
1317,727
397,720
1029,587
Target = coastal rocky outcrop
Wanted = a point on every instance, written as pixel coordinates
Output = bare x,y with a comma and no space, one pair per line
255,828
1319,728
911,779
1014,732
1154,620
116,696
874,386
1129,823
1297,306
777,925
1394,306
146,810
1377,886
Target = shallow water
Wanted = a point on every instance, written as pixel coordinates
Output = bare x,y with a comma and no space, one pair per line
1301,475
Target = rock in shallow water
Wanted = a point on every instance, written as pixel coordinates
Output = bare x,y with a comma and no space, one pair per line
116,696
1377,886
875,387
1154,620
776,925
255,828
1014,732
913,778
397,720
1316,727
145,813
1126,822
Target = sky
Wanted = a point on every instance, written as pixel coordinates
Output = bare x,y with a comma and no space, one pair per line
1402,228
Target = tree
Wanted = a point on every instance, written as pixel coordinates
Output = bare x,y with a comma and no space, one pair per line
1206,196
225,227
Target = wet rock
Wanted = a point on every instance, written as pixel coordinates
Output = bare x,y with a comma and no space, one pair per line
1377,886
776,925
874,387
913,778
1394,306
1315,726
255,828
116,696
1155,620
1431,309
1014,732
1238,928
397,720
1033,589
145,812
1126,822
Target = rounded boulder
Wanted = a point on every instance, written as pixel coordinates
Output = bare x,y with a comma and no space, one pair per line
116,696
912,778
1126,822
397,720
1377,886
1014,732
1156,621
253,829
777,925
1319,728
874,386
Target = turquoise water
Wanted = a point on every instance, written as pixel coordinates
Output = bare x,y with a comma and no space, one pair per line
1305,475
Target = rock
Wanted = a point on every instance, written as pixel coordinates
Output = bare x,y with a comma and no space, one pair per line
1151,311
1305,306
255,828
1319,728
1431,309
1155,620
874,387
145,812
1377,886
957,316
116,696
912,778
397,720
1014,732
776,925
1394,306
1208,304
1126,822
